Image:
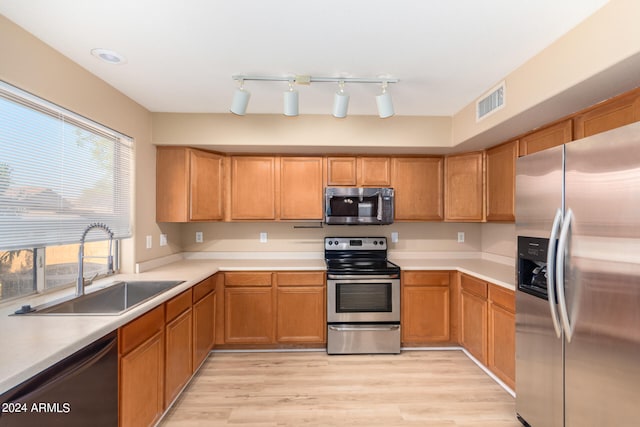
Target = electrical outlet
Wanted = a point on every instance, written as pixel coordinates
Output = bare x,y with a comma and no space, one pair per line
163,240
199,237
394,237
460,236
263,237
149,242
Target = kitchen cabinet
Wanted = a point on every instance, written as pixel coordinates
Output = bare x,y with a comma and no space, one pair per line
301,189
418,186
464,187
501,182
178,345
473,311
550,136
359,171
189,185
501,334
204,319
425,307
248,308
301,307
615,112
142,350
253,187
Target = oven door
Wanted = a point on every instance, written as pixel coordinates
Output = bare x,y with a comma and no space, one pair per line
363,299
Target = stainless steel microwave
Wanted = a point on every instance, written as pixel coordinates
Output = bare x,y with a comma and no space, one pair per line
358,205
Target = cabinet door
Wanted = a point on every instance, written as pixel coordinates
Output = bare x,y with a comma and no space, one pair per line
501,182
204,315
474,325
179,355
417,182
425,314
249,315
341,171
464,195
172,184
142,383
301,188
301,314
206,180
253,187
502,348
374,171
551,136
619,111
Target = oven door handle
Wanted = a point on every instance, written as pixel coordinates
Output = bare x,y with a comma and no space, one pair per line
362,277
364,328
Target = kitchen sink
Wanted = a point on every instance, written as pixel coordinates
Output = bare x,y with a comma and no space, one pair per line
112,300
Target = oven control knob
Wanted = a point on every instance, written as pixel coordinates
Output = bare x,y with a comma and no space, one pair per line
335,243
382,242
375,242
330,243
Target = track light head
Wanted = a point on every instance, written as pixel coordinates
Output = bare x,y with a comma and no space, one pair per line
385,104
291,101
340,102
240,100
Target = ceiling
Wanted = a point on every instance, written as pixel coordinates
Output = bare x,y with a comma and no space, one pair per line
181,54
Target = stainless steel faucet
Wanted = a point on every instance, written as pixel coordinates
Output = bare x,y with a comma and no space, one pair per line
81,282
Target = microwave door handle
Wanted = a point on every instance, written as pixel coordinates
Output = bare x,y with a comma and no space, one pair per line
379,217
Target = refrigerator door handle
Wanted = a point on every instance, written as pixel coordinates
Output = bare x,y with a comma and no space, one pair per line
551,273
560,260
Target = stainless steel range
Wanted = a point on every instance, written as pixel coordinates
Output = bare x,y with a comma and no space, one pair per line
363,296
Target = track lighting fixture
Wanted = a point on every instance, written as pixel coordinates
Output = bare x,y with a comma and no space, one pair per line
340,99
291,101
240,100
340,102
385,104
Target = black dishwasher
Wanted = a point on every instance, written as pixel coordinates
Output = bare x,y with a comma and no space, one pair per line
81,390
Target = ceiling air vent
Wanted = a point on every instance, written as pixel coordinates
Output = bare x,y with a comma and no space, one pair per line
490,102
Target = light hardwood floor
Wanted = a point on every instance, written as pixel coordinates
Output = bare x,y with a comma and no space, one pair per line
415,388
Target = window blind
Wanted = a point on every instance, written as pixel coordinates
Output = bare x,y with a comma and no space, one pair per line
59,172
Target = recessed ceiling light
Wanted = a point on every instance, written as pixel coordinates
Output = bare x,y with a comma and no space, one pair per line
108,56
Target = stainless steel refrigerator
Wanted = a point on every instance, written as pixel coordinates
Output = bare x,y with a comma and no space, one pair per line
578,291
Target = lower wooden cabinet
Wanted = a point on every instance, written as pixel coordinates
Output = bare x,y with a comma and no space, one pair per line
142,350
204,315
473,309
301,308
502,334
425,307
178,345
248,315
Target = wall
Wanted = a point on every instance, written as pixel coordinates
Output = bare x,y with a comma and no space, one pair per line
283,237
33,66
498,239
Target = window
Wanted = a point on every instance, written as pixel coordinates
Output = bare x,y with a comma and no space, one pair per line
59,172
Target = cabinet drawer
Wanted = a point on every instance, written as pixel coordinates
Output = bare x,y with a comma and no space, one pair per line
177,305
431,278
139,330
203,288
315,278
247,279
474,286
505,298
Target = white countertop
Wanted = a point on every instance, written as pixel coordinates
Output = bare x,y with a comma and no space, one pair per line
32,343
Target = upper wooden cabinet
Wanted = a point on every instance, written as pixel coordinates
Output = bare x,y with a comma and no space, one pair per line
418,186
551,136
301,188
360,171
189,185
616,112
464,194
253,187
501,188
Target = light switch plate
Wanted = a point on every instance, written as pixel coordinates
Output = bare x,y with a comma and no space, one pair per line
263,237
163,240
460,236
394,237
199,237
149,242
